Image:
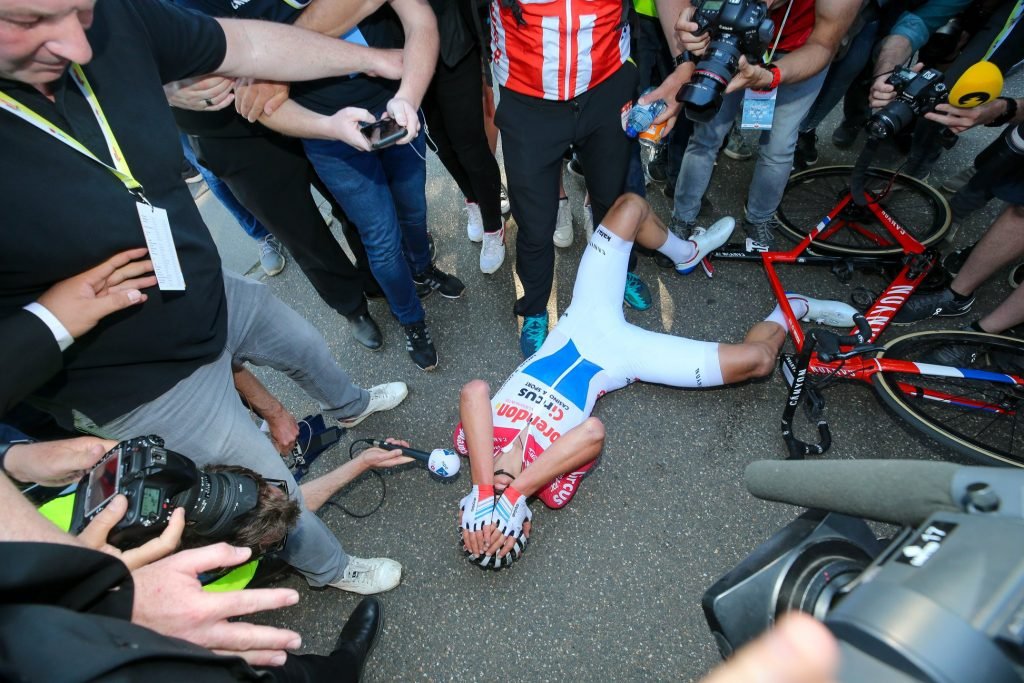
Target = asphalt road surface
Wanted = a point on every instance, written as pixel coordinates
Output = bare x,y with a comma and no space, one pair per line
610,587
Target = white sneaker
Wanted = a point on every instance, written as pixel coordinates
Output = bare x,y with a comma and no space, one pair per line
382,397
825,311
588,220
506,205
563,224
492,254
367,577
706,241
475,222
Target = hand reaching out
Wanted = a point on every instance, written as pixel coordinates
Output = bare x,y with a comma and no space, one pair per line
55,463
170,600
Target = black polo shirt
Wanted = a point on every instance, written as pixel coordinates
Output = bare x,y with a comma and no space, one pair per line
64,213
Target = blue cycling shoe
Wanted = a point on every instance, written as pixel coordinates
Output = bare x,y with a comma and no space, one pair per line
535,331
637,295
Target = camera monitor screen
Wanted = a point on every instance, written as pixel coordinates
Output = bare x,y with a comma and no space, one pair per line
103,483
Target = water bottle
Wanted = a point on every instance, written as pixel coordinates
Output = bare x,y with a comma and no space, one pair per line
641,116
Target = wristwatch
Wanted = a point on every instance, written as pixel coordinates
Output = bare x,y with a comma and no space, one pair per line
1006,116
682,58
4,447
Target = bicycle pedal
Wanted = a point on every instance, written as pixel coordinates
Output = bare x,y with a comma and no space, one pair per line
709,269
753,246
814,403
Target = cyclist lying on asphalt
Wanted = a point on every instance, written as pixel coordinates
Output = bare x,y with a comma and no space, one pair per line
536,436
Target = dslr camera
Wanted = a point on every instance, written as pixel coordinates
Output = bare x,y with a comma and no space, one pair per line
916,94
737,27
155,481
941,601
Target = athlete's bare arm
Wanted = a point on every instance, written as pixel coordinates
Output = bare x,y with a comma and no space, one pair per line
478,425
572,450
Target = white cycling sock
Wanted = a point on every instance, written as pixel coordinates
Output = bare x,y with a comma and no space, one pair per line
799,306
678,249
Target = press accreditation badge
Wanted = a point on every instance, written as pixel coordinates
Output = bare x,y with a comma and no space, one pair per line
758,109
162,253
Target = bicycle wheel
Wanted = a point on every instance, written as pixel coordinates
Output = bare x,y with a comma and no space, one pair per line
980,418
810,195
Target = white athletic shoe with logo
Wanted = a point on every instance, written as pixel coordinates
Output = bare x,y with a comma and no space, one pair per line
492,253
825,311
382,397
707,240
367,577
563,224
474,222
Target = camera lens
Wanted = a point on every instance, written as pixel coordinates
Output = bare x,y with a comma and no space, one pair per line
702,96
818,575
890,120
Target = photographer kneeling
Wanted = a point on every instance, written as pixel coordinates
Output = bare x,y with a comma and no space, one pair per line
62,594
806,36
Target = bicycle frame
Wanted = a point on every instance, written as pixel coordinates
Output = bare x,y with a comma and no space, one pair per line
917,262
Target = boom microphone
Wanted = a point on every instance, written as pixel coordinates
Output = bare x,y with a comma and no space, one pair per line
441,461
979,84
894,491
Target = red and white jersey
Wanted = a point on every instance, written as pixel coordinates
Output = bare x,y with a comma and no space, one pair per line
565,47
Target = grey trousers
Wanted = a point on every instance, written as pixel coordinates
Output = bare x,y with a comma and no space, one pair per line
203,418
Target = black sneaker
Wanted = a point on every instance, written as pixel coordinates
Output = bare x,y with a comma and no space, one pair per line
433,278
657,166
845,134
762,232
420,346
939,304
189,173
955,355
806,150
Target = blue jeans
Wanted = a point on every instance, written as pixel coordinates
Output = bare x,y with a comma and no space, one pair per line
249,223
202,417
384,195
775,154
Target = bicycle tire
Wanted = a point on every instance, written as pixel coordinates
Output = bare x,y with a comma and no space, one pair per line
810,195
987,437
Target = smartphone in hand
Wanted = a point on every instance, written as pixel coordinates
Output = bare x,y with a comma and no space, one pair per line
382,133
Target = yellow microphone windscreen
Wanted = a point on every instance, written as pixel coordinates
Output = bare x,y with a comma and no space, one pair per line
979,84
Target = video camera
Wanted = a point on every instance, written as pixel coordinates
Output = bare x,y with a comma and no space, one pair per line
156,481
737,27
942,601
916,94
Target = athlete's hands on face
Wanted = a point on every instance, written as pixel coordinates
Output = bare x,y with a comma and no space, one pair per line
477,519
512,516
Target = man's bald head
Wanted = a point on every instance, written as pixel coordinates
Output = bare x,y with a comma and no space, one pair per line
40,38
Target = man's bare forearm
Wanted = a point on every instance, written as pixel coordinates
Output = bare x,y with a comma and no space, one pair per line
893,51
296,121
22,522
278,52
421,47
804,62
336,17
317,492
668,14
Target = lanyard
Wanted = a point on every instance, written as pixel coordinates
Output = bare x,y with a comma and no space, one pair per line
120,168
1011,23
778,36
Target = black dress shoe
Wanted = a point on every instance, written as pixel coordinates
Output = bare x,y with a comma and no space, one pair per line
358,636
365,331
